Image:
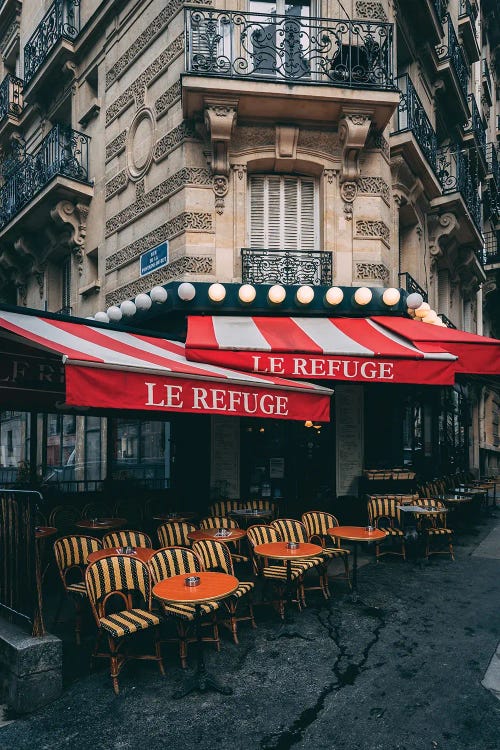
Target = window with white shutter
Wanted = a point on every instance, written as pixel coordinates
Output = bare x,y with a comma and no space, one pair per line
283,213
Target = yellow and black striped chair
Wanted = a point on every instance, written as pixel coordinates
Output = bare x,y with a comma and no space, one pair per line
383,514
224,522
71,553
291,530
64,518
215,555
434,527
175,534
317,523
125,579
174,561
262,505
96,510
223,507
127,538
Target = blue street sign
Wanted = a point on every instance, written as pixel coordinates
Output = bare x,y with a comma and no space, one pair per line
154,258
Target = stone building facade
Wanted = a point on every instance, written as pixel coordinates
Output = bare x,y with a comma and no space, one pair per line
364,130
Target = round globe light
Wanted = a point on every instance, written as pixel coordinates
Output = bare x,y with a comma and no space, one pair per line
334,295
422,311
186,291
276,294
101,317
414,300
305,294
143,301
246,293
128,308
114,313
158,294
216,292
363,295
430,317
391,297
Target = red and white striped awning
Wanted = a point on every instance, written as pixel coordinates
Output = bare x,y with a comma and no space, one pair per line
110,369
380,349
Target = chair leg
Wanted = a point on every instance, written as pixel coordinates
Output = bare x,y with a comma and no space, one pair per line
156,637
450,547
182,633
252,618
59,606
345,559
377,552
403,550
114,664
78,621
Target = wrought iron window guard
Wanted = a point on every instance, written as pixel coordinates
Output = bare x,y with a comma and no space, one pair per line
491,204
62,21
11,96
446,320
492,162
62,152
456,171
465,9
491,247
441,7
476,123
272,266
412,116
412,286
450,50
258,46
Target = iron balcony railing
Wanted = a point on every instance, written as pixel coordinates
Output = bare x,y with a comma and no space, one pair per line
491,204
412,116
456,172
11,96
259,46
492,162
62,21
476,124
491,247
446,320
408,282
62,152
465,9
440,6
451,50
486,73
271,266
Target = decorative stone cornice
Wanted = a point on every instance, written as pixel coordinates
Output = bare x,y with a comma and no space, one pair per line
168,99
353,132
116,146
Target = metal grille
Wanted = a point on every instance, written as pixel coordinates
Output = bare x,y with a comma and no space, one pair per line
412,286
412,116
260,266
457,172
451,50
476,123
11,96
491,247
62,21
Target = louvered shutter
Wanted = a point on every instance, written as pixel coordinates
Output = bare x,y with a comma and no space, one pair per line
283,213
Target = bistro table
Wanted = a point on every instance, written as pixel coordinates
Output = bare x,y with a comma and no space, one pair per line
141,553
41,534
251,515
212,587
356,534
175,517
100,524
233,535
280,551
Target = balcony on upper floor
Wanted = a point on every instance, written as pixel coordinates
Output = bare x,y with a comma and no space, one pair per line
486,82
295,267
407,282
474,134
8,9
467,16
51,46
457,173
491,254
33,183
493,164
453,72
11,104
425,19
415,137
446,320
294,69
491,203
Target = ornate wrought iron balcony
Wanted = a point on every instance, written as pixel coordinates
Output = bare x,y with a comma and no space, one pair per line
465,9
62,152
457,173
492,162
491,203
62,21
257,46
440,6
411,286
446,320
412,116
11,97
491,248
476,124
450,50
486,80
272,266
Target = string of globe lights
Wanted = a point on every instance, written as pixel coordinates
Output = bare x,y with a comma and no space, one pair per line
304,296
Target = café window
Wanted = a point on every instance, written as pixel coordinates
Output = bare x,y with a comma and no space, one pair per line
142,451
14,444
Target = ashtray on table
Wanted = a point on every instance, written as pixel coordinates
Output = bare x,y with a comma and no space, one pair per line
192,581
126,550
292,545
223,533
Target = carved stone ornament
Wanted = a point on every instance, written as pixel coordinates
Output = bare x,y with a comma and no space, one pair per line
220,119
440,227
220,186
353,132
348,192
371,10
365,271
72,217
240,170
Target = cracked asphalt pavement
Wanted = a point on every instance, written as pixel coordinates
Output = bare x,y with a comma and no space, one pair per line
398,670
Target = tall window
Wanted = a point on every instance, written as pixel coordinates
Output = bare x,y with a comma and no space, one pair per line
283,213
66,286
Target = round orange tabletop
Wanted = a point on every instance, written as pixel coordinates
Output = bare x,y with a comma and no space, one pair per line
234,535
212,586
42,532
141,553
100,524
174,517
279,550
357,533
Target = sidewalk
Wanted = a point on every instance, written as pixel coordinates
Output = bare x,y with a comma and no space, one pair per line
401,670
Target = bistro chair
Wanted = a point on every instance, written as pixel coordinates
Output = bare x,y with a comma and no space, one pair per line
71,553
225,522
383,514
64,518
174,561
96,510
317,523
262,505
127,580
215,555
175,534
291,530
223,507
434,527
127,539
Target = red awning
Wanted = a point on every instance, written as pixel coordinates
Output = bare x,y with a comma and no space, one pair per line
377,350
109,369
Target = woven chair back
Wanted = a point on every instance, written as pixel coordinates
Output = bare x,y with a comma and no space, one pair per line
261,534
317,522
117,573
290,530
173,561
383,507
72,551
175,534
214,555
218,522
64,517
223,507
127,538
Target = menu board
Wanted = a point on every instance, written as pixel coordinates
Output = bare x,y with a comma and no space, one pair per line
349,431
225,461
